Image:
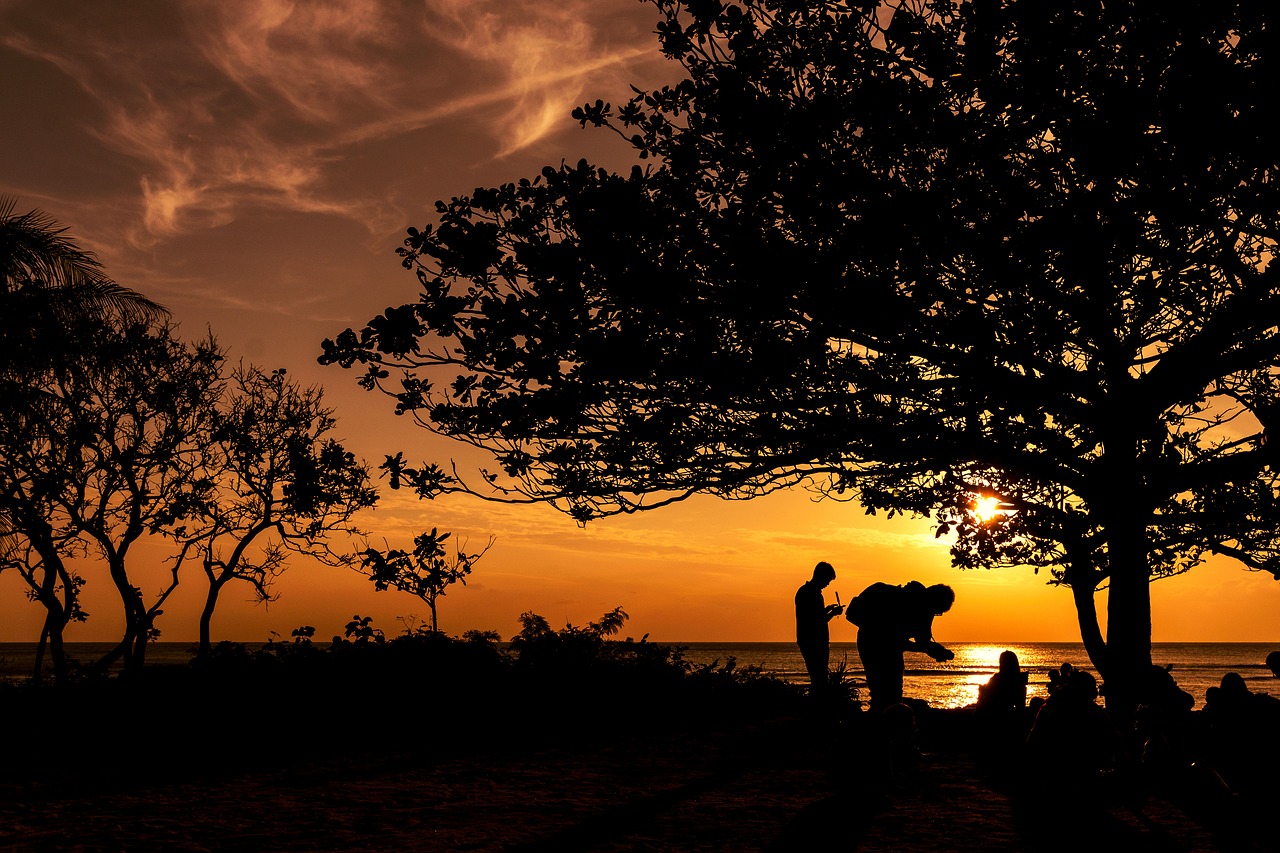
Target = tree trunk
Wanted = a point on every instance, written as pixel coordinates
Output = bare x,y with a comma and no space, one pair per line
133,643
1083,590
138,657
55,622
206,617
117,652
56,615
38,670
1128,616
129,647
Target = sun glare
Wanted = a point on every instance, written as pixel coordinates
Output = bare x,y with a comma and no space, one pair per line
985,508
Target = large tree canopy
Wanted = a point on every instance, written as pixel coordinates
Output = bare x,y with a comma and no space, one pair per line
905,254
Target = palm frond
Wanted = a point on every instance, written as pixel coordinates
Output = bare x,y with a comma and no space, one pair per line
37,256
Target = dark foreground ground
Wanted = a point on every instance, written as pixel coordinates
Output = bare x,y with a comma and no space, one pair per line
776,781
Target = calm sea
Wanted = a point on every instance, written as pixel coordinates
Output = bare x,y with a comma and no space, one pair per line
954,684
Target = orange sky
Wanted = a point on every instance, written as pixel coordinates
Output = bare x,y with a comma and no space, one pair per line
253,165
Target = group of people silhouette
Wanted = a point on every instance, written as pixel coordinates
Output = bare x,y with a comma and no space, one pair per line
891,621
1065,739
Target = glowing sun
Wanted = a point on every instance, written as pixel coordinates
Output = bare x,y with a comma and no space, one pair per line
985,508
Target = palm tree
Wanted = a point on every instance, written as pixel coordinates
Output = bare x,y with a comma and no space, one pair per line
46,277
51,292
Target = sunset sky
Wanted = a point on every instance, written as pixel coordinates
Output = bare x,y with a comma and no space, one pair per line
253,166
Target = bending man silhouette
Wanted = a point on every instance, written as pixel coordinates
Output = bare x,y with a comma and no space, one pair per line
892,620
812,634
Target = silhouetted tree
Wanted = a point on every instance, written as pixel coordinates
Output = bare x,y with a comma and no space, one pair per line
38,542
537,645
48,285
54,301
137,441
426,571
906,254
277,484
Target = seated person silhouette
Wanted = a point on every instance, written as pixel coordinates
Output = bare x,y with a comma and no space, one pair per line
1001,711
1070,741
1005,692
1159,690
1241,734
892,620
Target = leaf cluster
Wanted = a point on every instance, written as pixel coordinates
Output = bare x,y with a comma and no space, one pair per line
905,254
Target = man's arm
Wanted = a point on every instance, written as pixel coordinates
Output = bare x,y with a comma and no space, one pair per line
935,650
922,641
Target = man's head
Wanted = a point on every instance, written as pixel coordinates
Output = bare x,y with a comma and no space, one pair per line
940,597
823,573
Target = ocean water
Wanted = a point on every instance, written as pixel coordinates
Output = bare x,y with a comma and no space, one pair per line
954,684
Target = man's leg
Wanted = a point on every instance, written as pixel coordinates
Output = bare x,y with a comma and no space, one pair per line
817,660
894,669
882,665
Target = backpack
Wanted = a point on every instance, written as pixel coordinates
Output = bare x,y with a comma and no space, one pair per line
875,601
855,611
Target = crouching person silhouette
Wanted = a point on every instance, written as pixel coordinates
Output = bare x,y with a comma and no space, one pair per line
892,620
813,635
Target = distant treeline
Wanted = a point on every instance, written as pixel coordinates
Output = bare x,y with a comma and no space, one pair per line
420,692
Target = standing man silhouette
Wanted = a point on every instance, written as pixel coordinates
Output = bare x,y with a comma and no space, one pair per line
892,620
812,634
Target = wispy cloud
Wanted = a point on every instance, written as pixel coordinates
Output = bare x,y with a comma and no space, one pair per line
231,105
545,53
327,60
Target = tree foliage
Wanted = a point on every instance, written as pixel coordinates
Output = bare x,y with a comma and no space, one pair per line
134,445
55,302
275,483
97,451
48,285
907,254
426,572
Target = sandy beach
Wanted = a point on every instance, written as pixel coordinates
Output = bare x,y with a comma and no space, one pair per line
779,783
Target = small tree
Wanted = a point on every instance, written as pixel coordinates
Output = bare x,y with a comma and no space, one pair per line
426,571
98,450
538,646
38,538
38,552
276,485
136,457
56,305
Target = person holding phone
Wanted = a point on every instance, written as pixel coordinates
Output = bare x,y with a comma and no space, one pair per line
813,636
